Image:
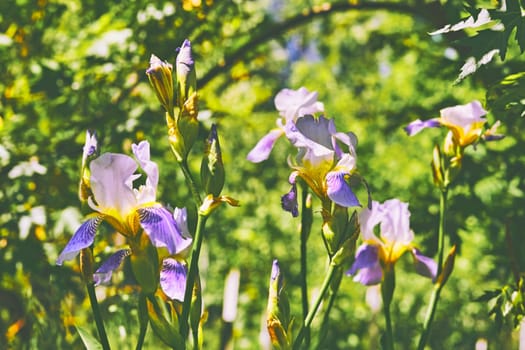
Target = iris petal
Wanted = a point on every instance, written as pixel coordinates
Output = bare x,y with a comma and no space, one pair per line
339,191
104,272
425,266
418,125
367,256
289,201
370,276
162,229
262,149
173,278
83,238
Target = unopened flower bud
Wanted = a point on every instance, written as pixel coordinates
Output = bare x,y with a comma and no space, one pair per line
186,77
212,168
160,74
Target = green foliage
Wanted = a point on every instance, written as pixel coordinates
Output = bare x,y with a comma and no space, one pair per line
76,65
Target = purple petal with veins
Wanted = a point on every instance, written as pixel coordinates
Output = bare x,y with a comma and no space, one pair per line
173,278
162,229
105,271
83,238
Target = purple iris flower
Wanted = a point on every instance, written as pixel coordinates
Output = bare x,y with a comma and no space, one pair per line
326,158
127,209
292,105
395,239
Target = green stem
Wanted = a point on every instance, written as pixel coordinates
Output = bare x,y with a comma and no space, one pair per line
98,317
143,321
387,292
306,226
313,311
434,298
191,183
331,301
192,274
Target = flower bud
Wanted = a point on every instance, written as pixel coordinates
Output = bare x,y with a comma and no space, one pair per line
186,77
278,310
212,168
164,322
437,168
448,266
90,152
160,75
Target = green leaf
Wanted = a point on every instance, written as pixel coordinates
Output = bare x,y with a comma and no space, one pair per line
90,342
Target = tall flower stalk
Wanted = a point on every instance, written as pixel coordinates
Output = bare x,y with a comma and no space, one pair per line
465,127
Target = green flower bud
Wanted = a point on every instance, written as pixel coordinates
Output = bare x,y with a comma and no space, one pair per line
278,319
164,322
212,168
160,75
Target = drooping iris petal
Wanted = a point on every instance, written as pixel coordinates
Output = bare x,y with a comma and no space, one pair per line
173,278
425,266
418,125
162,229
83,238
370,276
262,149
339,191
367,256
289,201
104,272
110,177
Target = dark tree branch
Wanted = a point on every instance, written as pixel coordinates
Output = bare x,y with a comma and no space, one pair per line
271,32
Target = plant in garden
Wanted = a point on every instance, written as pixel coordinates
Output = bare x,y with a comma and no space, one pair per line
158,239
324,165
465,127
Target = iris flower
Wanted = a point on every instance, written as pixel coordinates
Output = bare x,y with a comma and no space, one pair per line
465,123
126,208
325,160
395,239
291,104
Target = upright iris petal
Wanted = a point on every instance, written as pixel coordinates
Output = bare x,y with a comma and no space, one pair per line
110,177
291,104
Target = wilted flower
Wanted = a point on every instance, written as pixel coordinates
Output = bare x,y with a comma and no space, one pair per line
395,239
322,162
126,208
463,121
291,104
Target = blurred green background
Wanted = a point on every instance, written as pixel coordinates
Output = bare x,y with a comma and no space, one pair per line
71,65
